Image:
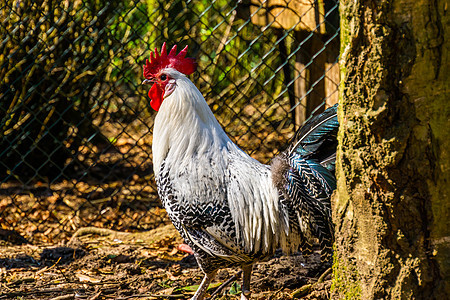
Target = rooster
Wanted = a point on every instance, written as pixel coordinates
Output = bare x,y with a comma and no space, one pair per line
229,208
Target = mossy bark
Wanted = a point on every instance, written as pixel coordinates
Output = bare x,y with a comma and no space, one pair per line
392,208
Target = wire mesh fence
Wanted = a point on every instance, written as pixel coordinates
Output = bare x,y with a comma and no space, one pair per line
76,126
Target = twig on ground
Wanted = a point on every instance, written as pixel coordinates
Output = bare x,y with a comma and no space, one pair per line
95,296
177,296
304,290
45,269
325,274
106,290
37,292
64,297
223,285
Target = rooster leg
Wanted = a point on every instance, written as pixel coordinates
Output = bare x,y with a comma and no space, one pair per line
247,273
200,293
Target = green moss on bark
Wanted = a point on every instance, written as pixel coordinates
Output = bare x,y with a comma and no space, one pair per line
345,281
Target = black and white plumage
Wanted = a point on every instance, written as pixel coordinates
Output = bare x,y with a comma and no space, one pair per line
304,176
231,209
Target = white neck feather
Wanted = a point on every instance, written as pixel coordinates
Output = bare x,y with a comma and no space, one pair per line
185,127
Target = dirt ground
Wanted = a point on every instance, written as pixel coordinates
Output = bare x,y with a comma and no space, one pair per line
105,264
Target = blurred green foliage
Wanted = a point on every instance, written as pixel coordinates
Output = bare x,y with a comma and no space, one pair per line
52,57
62,65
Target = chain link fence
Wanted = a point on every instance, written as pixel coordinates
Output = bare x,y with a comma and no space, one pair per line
76,126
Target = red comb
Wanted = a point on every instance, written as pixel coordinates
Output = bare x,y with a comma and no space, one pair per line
161,61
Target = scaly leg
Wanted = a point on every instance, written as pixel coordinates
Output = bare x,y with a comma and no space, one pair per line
200,293
247,273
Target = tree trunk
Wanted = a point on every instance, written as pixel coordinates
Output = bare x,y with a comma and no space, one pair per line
392,208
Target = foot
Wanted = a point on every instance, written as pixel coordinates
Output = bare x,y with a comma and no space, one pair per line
201,291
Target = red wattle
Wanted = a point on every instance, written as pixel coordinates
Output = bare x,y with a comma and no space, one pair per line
156,96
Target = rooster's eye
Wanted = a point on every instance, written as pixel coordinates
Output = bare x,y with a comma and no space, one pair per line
163,77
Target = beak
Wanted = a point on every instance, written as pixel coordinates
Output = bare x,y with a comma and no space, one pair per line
148,81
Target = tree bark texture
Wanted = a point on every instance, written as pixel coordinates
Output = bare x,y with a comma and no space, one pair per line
392,208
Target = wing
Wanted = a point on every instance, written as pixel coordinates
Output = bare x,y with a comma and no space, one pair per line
254,203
